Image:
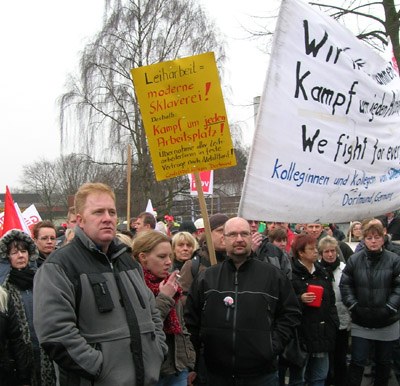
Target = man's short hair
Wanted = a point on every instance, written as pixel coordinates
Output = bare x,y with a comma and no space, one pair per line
40,225
148,219
71,212
89,188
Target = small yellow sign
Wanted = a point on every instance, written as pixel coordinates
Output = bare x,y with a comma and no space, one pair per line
184,116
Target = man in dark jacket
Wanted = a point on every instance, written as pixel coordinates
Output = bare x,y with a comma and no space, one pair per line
243,312
93,313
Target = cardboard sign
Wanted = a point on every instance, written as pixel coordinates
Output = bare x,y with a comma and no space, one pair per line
184,116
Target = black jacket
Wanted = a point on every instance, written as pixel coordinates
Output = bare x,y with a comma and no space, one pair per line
370,288
245,338
14,352
393,228
318,324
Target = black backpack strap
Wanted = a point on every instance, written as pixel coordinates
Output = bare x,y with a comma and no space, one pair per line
195,266
134,329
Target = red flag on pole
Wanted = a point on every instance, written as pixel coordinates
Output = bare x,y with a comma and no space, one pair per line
11,218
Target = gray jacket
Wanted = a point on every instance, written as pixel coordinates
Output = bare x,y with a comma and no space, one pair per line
95,316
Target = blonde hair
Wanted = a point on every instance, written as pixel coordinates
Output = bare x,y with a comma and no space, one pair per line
146,241
3,299
185,237
325,241
89,188
124,239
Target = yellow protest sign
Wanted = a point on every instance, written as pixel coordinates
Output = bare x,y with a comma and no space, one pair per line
184,116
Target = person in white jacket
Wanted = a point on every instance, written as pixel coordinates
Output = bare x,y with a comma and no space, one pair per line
329,252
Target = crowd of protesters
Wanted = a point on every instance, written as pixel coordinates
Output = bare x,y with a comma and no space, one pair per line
93,304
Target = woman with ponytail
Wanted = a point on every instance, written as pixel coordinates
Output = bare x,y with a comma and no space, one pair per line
154,252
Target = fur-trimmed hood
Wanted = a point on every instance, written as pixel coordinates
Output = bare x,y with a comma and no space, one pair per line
16,234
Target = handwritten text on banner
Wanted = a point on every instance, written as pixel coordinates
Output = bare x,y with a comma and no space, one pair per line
184,116
327,140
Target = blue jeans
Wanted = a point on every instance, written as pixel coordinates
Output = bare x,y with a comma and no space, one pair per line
360,348
179,379
314,373
270,379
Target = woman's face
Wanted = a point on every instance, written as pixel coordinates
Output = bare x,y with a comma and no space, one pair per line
310,253
329,253
373,241
183,250
158,260
280,244
357,231
18,258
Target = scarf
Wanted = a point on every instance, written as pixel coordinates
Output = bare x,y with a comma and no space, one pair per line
22,278
373,256
330,267
171,322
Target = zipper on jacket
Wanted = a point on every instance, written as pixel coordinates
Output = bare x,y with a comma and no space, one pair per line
235,284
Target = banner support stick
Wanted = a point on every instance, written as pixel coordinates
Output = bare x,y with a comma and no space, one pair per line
204,215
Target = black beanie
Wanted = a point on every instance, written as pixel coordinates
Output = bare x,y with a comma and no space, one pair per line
187,226
218,219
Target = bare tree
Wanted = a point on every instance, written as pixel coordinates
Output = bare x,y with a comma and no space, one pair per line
374,21
99,112
73,170
41,179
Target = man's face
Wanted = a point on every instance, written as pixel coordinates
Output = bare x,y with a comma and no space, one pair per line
99,219
46,240
237,237
314,230
217,236
71,221
140,226
253,226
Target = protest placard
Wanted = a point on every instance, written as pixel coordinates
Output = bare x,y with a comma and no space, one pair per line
184,116
327,139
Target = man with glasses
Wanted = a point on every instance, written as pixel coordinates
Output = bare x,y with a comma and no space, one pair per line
245,309
44,236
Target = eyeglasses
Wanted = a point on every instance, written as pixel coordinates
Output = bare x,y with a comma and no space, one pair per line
44,238
235,235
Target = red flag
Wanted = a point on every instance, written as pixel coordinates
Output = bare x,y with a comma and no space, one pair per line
11,218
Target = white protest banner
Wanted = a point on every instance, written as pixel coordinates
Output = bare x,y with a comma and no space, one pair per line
22,220
31,216
327,140
207,182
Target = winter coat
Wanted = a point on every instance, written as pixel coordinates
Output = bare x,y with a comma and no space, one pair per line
318,324
11,235
96,317
23,304
15,354
370,288
244,317
343,312
272,254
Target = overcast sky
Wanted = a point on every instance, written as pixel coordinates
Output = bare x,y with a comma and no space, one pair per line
40,44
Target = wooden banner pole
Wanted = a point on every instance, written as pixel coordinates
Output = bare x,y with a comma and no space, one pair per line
128,193
204,215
